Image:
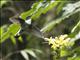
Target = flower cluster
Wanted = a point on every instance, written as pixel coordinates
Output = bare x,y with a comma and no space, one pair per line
59,42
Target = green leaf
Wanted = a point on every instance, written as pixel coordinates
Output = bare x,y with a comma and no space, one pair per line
64,52
12,30
13,39
20,39
37,14
76,27
37,9
52,24
2,2
32,53
25,55
60,7
36,5
30,12
75,57
49,6
1,30
4,37
26,14
75,36
75,32
71,7
38,51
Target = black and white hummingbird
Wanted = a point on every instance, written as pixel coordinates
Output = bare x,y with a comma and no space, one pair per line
27,26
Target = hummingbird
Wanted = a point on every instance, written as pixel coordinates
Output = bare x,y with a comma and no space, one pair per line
27,26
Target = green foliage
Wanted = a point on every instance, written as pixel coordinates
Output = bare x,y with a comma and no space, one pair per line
38,8
64,52
77,27
66,14
63,46
2,2
30,52
11,31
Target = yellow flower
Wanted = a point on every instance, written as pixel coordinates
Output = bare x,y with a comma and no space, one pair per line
50,40
58,42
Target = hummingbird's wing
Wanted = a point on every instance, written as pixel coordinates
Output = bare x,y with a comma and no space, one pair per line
36,32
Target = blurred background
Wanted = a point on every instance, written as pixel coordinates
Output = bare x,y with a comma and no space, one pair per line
51,18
